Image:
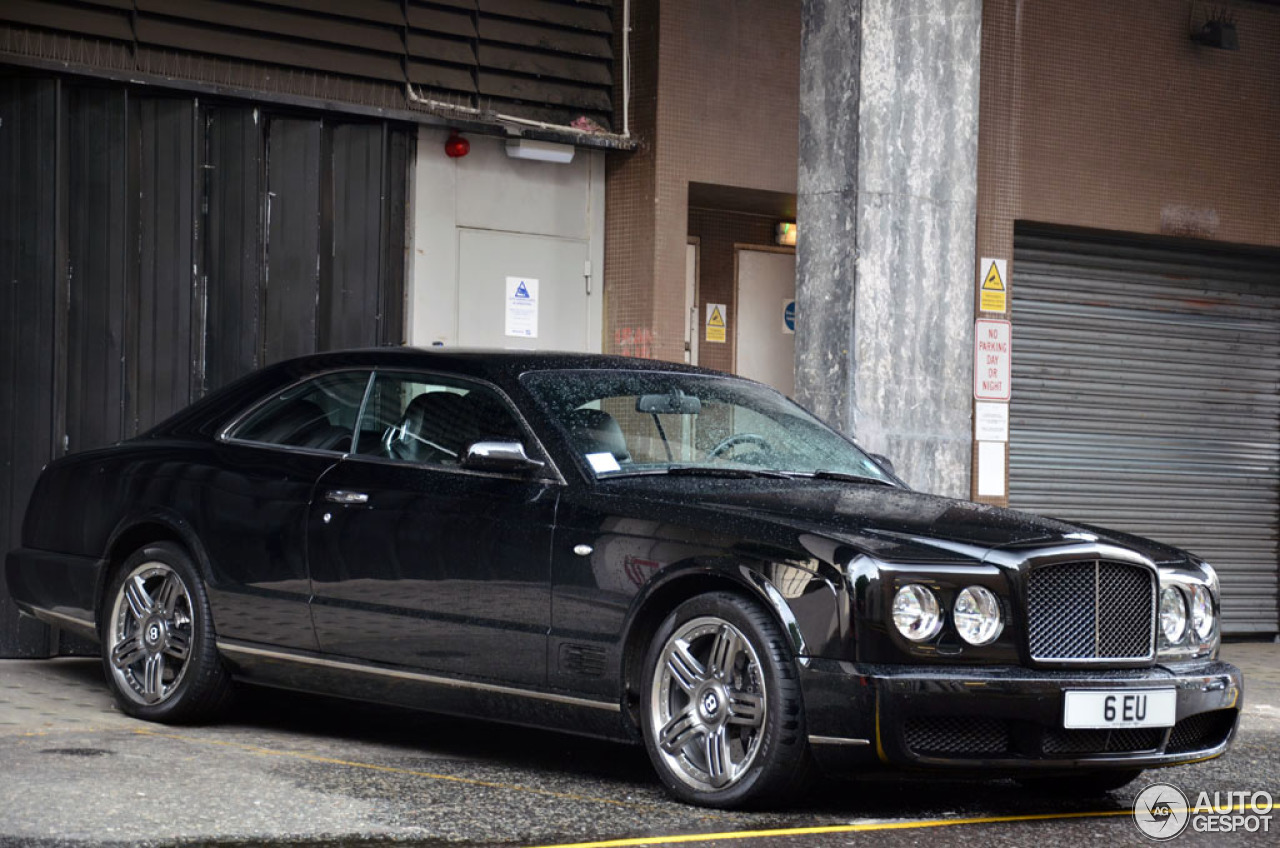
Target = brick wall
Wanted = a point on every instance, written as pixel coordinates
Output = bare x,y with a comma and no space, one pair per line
721,108
1108,116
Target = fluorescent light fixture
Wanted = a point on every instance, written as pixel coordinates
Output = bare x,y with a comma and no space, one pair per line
539,151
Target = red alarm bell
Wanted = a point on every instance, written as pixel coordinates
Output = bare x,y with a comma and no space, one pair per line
455,146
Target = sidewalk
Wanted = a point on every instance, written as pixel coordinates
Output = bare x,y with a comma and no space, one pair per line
1260,662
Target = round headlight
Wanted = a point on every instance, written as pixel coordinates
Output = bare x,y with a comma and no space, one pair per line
977,616
916,613
1173,614
1202,612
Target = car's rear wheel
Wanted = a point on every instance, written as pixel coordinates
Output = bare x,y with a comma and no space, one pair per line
723,714
158,648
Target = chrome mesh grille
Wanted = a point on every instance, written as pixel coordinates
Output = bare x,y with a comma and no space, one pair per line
1083,611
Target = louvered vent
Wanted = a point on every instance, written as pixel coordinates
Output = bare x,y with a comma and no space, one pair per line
582,660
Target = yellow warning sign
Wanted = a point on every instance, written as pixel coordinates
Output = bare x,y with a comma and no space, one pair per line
716,323
994,293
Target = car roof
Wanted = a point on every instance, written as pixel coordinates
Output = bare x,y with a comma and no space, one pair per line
481,361
496,366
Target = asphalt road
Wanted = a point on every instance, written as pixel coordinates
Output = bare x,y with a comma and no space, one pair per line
286,769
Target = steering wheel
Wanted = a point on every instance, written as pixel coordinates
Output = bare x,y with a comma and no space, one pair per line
741,439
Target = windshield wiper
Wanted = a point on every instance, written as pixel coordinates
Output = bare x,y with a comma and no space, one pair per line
730,472
823,474
722,471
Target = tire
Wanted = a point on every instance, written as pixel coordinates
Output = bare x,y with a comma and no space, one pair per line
158,650
722,713
1088,783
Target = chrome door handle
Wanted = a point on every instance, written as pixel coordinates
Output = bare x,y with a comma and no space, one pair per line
341,496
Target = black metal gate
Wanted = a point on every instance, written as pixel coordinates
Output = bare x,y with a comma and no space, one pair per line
155,247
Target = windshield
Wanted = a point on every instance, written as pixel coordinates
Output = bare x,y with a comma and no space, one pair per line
625,423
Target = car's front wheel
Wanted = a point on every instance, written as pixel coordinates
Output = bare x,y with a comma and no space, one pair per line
158,648
723,714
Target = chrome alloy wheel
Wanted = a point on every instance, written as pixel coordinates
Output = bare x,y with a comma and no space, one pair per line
708,704
150,633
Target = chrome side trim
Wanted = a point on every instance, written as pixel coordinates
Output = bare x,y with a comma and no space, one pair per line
361,668
59,619
837,740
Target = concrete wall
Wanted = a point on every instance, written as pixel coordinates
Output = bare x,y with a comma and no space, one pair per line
488,190
887,197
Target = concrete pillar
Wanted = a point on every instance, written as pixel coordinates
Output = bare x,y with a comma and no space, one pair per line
887,205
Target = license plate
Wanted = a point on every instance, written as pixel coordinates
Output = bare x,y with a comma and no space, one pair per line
1120,708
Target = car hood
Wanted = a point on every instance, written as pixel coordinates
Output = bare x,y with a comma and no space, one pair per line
890,523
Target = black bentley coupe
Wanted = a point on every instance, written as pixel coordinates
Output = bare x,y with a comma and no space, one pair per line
623,548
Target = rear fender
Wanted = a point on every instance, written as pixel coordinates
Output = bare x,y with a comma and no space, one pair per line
135,531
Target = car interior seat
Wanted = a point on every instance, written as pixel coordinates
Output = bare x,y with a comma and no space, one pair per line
491,420
434,428
596,431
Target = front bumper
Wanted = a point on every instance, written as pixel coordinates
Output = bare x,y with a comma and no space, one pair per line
1007,718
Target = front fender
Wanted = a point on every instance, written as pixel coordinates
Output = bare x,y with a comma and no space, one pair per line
804,604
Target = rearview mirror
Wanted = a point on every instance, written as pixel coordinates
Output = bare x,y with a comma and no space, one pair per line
499,456
674,402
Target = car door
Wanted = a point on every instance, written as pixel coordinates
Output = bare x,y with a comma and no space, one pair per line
251,513
418,561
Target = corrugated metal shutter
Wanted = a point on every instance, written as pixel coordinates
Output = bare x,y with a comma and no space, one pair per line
1145,377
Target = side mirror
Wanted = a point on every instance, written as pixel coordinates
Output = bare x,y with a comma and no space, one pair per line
499,456
884,462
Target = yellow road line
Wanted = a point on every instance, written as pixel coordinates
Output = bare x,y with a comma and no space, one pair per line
838,828
316,758
45,731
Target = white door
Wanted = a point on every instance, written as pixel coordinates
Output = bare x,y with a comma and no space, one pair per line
548,312
765,335
691,323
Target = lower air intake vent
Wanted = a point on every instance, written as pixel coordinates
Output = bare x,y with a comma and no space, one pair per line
952,735
1201,732
1101,741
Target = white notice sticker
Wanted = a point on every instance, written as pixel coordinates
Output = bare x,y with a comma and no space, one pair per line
991,469
603,462
522,307
991,422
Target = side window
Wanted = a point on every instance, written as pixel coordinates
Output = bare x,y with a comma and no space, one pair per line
431,419
319,414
